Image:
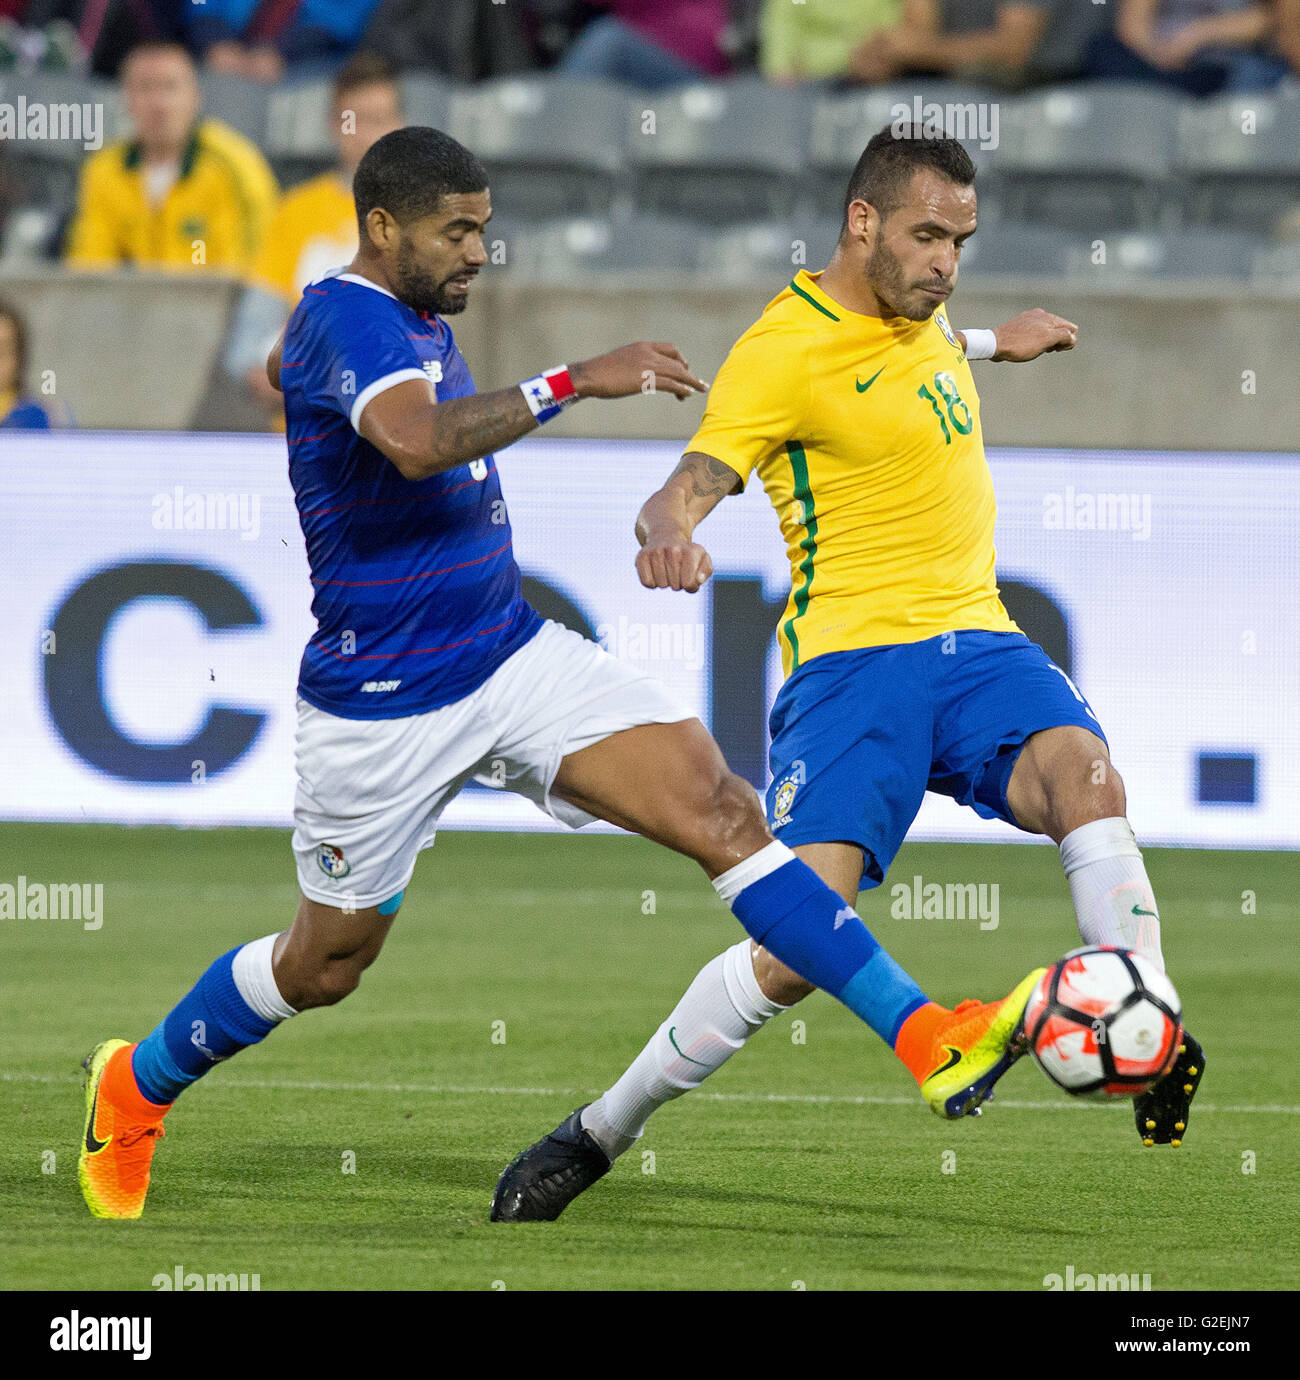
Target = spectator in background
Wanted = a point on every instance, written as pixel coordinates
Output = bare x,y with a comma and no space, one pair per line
314,227
34,36
258,39
65,34
1286,33
817,42
1201,47
464,39
652,43
184,193
19,410
1007,43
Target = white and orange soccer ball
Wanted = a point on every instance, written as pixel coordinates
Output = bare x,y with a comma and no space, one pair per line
1104,1023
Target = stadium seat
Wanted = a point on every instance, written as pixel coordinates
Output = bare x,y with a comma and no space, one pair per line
298,143
426,99
1132,258
1238,160
570,249
551,145
1086,155
1277,266
843,125
718,154
774,250
1027,251
44,172
243,105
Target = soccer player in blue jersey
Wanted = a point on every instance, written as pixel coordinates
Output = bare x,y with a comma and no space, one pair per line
428,669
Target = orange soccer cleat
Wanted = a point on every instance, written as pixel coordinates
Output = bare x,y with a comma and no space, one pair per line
122,1129
957,1056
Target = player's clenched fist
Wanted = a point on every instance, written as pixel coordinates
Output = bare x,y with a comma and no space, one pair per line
1034,333
644,367
673,562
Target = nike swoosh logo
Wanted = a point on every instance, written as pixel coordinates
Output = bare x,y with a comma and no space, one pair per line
672,1039
1137,910
93,1146
843,914
954,1058
862,387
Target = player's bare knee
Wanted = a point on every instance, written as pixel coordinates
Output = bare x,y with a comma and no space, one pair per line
732,819
1100,795
779,983
330,982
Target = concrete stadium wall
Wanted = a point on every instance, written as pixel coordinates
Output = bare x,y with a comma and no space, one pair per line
1158,368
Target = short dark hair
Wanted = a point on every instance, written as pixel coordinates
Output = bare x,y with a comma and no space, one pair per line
10,313
363,69
156,45
885,169
408,172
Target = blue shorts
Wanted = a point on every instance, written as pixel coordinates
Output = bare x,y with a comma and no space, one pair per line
859,737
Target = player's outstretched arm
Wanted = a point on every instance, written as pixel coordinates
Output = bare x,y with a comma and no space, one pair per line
423,437
668,558
1032,333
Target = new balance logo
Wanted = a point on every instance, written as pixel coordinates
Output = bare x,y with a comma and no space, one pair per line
379,687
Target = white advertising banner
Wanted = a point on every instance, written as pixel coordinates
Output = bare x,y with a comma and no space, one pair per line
157,602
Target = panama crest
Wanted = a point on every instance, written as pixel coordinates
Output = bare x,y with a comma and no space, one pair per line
332,862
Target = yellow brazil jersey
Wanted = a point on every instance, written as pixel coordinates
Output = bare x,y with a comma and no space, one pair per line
314,228
213,216
865,433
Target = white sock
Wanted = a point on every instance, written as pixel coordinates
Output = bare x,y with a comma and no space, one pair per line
747,871
720,1010
1113,901
255,979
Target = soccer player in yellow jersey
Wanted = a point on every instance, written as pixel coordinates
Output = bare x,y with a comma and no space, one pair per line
853,400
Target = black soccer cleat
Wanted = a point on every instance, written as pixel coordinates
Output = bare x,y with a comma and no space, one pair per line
1161,1113
540,1182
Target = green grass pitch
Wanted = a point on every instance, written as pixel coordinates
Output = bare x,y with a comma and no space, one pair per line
807,1162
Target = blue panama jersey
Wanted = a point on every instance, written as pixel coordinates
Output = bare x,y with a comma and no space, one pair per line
417,593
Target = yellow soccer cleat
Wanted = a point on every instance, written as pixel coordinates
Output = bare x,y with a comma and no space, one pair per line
973,1047
121,1131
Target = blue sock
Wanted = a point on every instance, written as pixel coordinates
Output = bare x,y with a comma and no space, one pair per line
788,909
210,1023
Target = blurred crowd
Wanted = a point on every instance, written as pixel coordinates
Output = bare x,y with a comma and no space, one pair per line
187,192
1198,46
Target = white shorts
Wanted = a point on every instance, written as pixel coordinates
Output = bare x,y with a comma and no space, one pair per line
370,791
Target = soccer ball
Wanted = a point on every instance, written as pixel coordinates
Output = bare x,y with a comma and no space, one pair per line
1104,1023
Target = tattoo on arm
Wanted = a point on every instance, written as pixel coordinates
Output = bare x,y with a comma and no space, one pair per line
475,426
709,478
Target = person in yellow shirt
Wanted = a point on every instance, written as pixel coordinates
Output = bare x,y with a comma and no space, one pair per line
313,228
853,400
184,194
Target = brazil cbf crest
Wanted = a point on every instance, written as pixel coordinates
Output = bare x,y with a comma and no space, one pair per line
785,793
783,800
942,322
332,862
